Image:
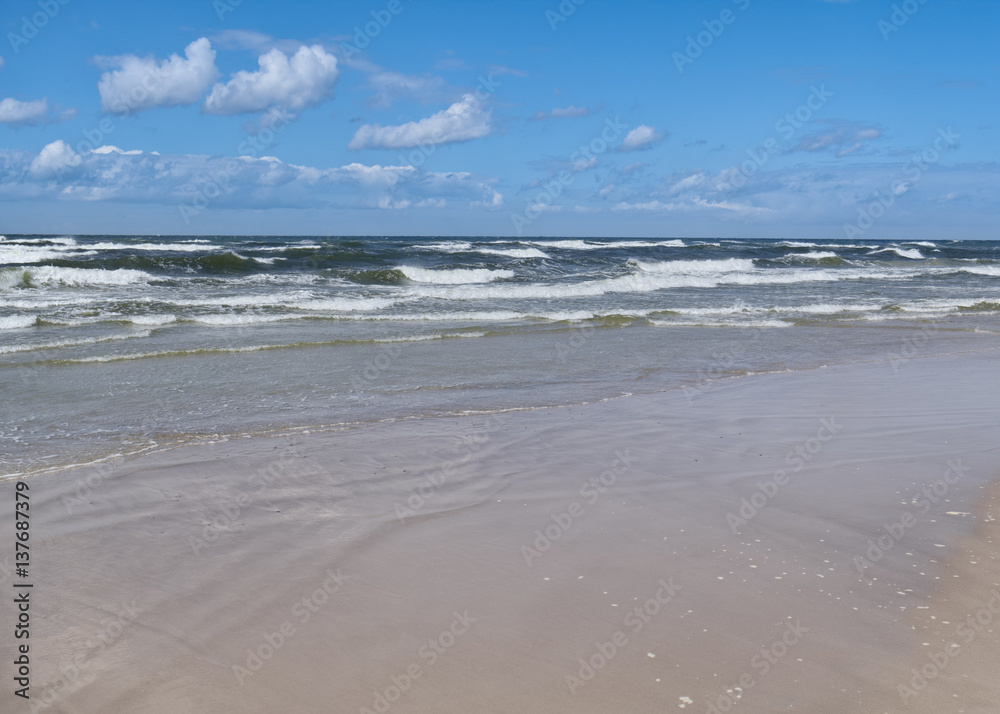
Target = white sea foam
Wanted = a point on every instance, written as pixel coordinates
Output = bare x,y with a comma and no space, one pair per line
344,304
584,245
15,322
152,320
452,247
993,270
37,241
812,255
10,349
466,247
25,255
79,277
456,276
512,252
226,319
696,267
911,253
167,247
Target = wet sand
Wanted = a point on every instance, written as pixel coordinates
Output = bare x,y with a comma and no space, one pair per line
715,550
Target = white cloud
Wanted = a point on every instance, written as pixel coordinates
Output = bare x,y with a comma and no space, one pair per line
391,86
464,120
14,112
304,80
1,62
54,159
687,183
569,112
846,139
113,175
143,83
642,137
251,40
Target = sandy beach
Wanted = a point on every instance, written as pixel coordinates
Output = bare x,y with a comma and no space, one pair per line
797,541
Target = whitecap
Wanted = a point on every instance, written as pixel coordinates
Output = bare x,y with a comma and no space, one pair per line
456,276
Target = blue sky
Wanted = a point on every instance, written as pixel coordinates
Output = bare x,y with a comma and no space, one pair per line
723,118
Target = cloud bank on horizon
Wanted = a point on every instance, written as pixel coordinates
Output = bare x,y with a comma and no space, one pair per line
638,118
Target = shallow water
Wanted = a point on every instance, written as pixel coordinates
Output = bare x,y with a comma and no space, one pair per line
112,344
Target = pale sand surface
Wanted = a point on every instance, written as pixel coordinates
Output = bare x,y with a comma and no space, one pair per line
141,623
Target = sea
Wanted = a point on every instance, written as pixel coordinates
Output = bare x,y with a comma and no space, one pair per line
112,345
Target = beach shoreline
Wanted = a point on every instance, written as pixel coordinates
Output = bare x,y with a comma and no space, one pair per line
453,557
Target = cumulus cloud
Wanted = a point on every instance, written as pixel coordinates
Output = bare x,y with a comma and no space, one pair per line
642,137
113,175
569,112
54,160
15,113
303,80
464,120
142,83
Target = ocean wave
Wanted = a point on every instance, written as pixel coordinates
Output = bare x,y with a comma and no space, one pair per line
25,255
721,322
798,244
11,349
164,247
456,276
697,267
81,277
466,247
813,255
16,322
584,245
152,320
911,253
512,252
992,270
